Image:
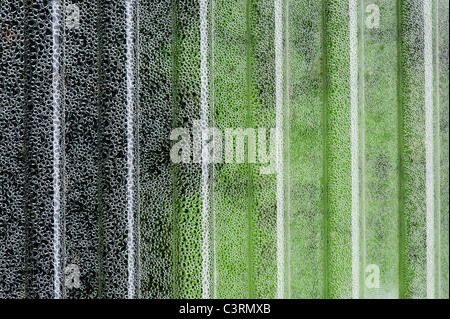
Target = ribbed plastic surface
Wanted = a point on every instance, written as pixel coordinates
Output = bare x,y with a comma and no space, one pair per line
224,149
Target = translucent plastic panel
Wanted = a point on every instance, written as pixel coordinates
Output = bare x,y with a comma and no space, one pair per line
224,149
26,159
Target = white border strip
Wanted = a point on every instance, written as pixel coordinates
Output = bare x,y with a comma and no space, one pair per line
205,156
429,144
56,100
130,146
279,135
354,145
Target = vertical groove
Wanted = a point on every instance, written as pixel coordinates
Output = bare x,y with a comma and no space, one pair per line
325,147
174,84
437,155
429,145
354,146
56,147
212,112
401,242
205,157
361,152
26,140
62,145
286,141
138,125
250,207
279,136
130,145
100,180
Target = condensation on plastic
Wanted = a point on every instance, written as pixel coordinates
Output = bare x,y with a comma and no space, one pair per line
92,206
